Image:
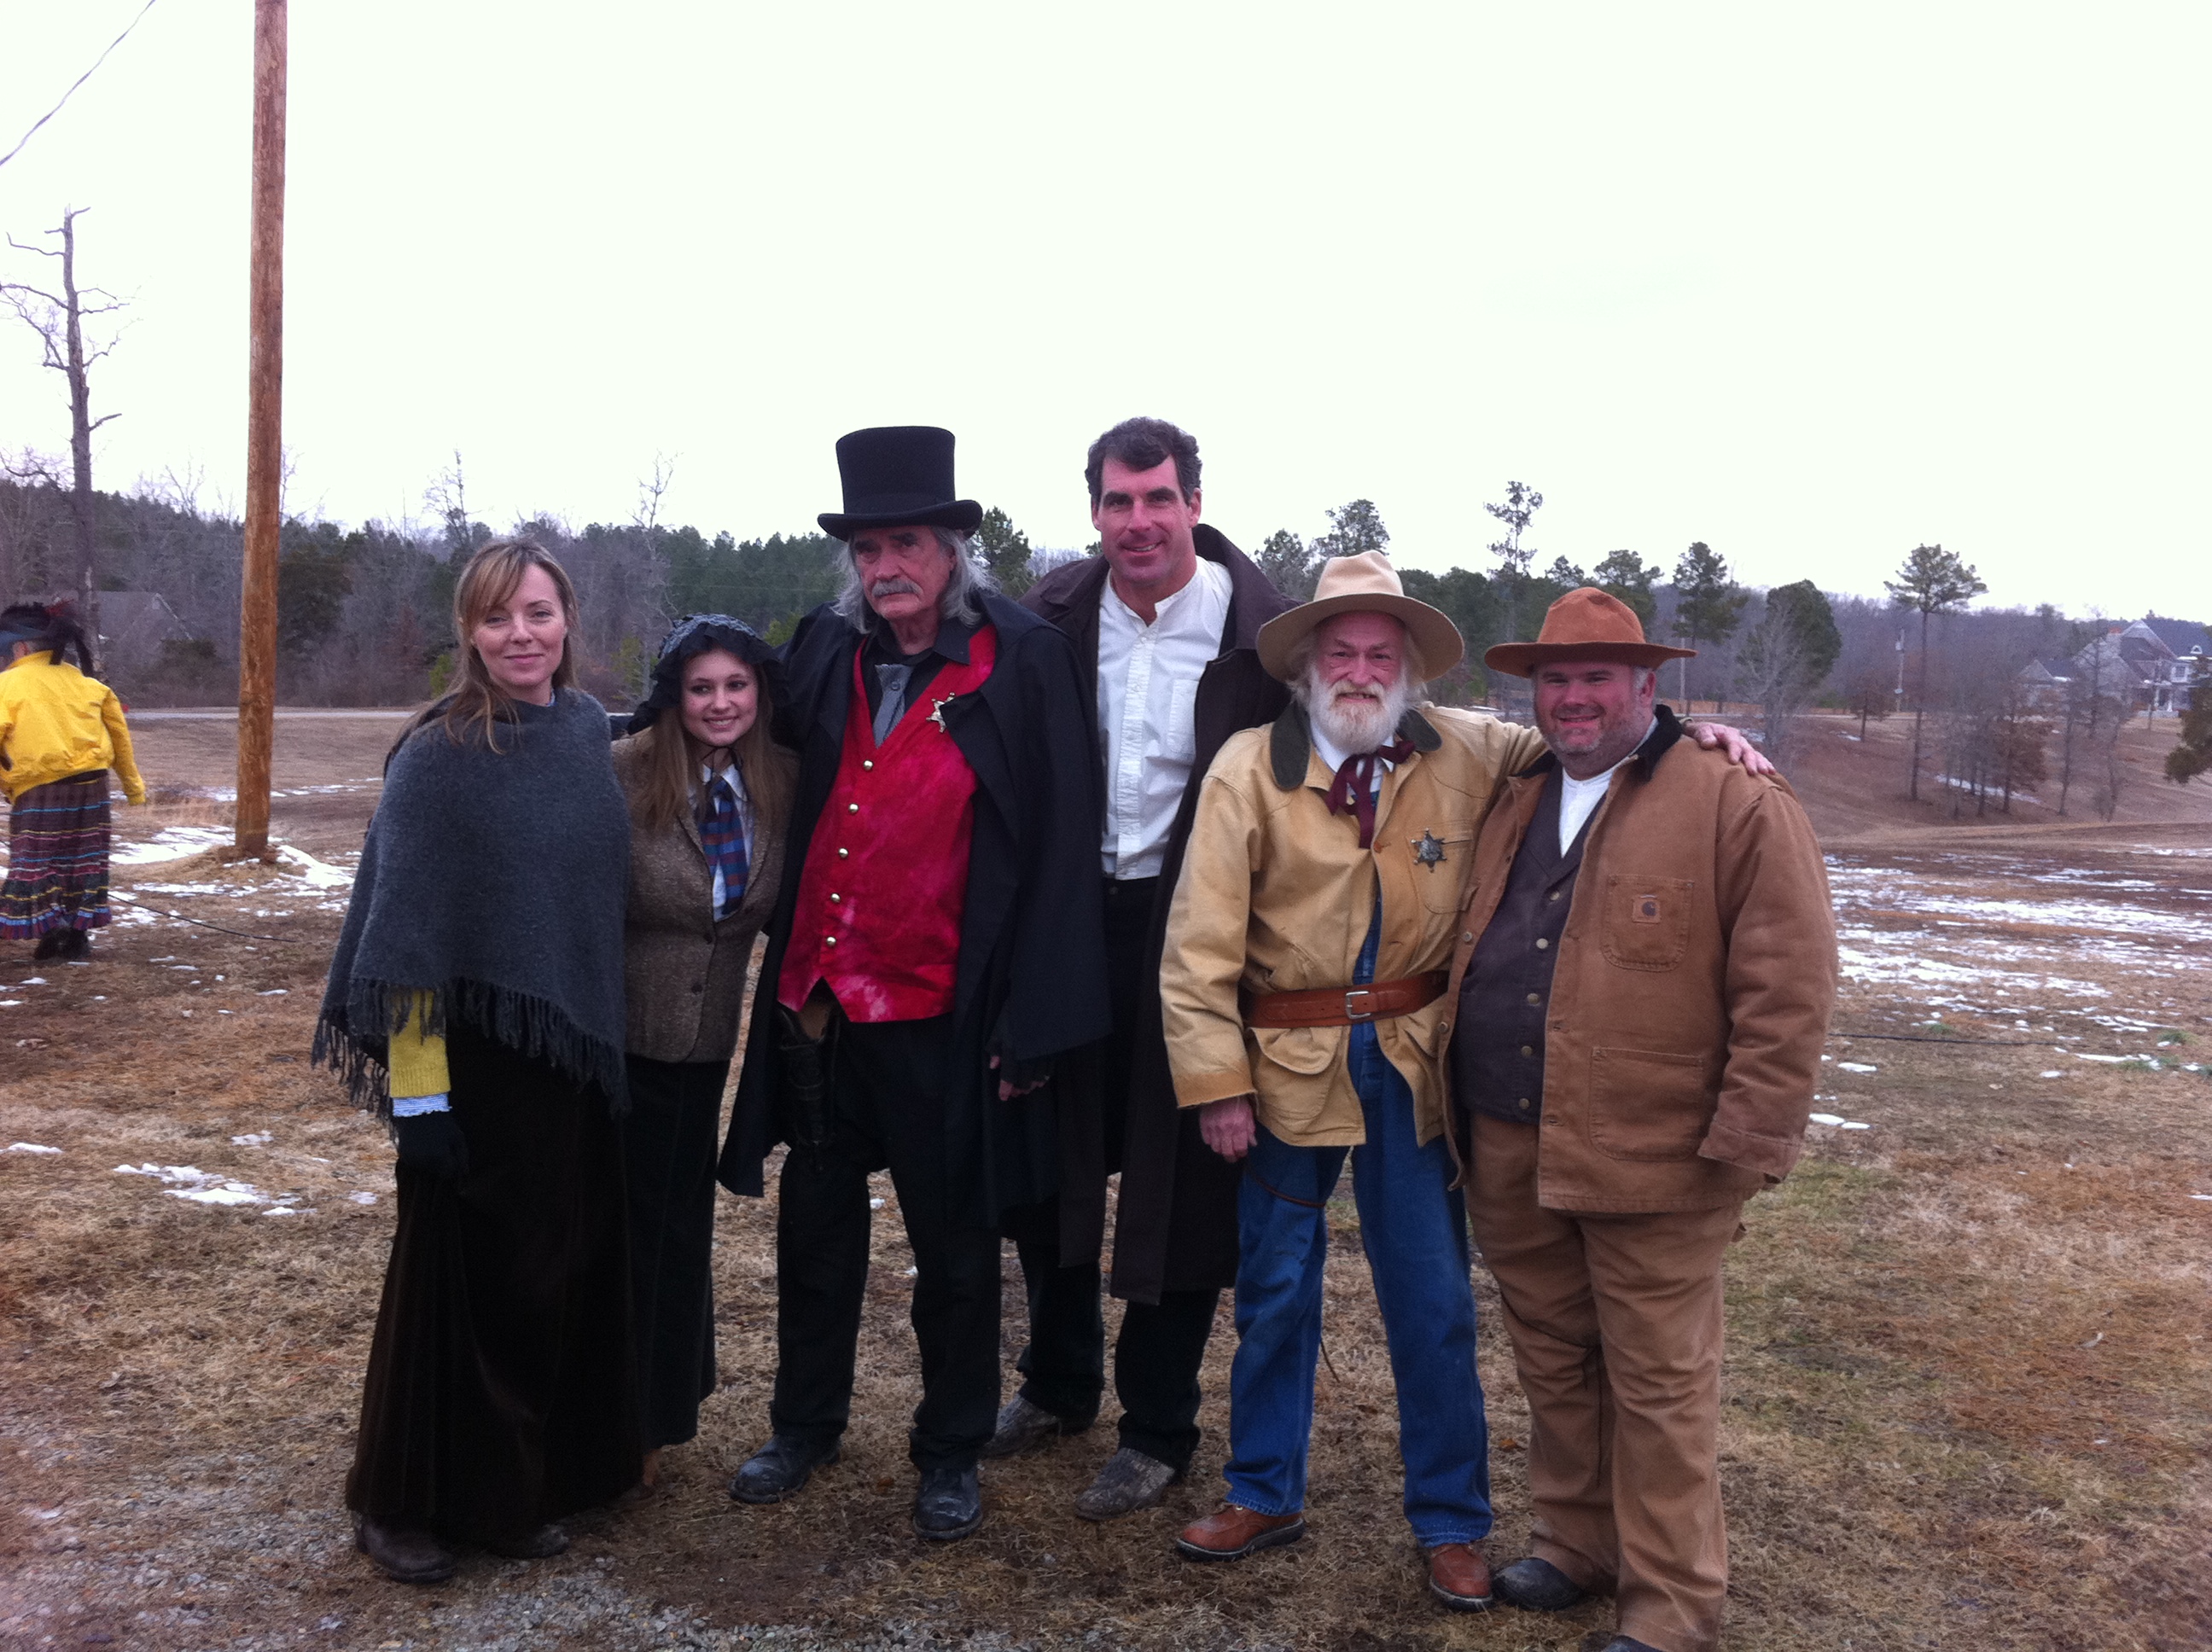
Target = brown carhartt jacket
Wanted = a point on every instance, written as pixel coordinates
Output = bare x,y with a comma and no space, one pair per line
1276,895
684,975
1693,989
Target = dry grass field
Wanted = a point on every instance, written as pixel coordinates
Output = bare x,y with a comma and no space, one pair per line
1969,1394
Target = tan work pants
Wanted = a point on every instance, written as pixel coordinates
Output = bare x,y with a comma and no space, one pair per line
1616,1328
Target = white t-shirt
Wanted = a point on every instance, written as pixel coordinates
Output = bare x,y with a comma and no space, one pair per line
1578,800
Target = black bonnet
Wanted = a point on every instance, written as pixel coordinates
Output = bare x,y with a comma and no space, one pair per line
689,637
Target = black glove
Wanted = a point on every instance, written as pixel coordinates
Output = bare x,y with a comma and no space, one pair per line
431,1143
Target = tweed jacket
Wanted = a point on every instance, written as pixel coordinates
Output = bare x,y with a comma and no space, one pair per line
1276,896
1692,985
685,973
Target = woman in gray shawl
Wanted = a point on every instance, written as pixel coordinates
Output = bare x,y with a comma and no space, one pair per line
708,790
476,1000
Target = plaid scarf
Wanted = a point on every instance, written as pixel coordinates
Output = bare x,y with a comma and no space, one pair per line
722,835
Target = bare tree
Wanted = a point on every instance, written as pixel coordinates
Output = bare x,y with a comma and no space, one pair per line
1520,508
58,319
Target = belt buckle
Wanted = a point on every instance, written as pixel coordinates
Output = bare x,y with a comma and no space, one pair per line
1356,1015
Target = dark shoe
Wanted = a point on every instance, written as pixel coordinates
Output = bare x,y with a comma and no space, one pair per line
1628,1643
541,1545
1230,1533
1024,1427
405,1557
76,945
780,1468
949,1503
1536,1585
1129,1481
50,945
1460,1577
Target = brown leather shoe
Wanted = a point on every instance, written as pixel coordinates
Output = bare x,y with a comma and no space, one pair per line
1460,1577
402,1555
1230,1533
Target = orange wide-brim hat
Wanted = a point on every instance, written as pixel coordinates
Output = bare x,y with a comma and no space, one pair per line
1366,583
1586,623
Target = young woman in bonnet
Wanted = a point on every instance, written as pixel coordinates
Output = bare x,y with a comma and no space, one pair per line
476,1001
708,791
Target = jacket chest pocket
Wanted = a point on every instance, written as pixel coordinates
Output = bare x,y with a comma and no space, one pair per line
1439,859
1647,921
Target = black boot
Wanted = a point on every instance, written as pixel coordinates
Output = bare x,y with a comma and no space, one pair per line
780,1468
50,944
948,1503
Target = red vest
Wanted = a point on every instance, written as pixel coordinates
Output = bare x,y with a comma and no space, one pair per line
886,876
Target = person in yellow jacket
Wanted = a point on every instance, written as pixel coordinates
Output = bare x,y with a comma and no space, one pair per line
61,730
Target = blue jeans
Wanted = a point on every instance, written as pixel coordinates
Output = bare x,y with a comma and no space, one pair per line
1413,1230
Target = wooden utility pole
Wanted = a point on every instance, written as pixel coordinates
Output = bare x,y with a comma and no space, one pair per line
265,437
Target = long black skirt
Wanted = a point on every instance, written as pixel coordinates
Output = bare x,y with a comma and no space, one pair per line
670,1137
501,1386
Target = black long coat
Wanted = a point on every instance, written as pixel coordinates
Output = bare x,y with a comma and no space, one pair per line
1030,980
1174,1227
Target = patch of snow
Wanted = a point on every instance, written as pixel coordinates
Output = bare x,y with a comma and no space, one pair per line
256,1138
2053,1074
362,1198
189,1181
11,1003
29,1147
170,843
1855,1066
34,980
319,874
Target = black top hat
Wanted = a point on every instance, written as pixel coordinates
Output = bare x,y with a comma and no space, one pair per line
898,475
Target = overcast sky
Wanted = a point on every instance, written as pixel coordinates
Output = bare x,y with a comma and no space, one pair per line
1811,284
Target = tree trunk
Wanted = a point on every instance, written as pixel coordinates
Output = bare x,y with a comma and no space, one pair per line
80,387
1919,707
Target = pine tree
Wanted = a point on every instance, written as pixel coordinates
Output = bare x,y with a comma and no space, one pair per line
1932,581
2193,754
1708,602
1005,552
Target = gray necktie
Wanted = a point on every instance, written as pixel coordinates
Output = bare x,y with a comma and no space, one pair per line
894,680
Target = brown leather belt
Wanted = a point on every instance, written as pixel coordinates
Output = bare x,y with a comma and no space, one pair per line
1343,1006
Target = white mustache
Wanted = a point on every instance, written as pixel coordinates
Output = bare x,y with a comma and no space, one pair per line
893,586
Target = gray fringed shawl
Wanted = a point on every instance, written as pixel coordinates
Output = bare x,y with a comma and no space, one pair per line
494,881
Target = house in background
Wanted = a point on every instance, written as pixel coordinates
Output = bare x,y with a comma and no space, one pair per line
2151,665
133,626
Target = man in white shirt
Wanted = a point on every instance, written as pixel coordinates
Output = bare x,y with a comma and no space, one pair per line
1164,619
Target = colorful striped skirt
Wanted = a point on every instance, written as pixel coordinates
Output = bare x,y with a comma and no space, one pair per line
57,858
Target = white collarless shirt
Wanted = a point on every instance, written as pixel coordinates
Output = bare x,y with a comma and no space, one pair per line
1147,691
1578,800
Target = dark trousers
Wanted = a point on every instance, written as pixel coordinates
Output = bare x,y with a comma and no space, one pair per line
669,1142
1157,1357
887,1110
501,1388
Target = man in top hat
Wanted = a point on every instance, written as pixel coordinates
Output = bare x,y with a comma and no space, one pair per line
938,948
1640,990
1165,622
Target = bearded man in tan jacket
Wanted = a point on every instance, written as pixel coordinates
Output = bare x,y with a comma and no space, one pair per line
1303,991
1642,987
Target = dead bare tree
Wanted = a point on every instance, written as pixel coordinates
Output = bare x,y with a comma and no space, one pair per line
58,319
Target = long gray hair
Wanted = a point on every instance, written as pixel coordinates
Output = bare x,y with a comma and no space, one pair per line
962,603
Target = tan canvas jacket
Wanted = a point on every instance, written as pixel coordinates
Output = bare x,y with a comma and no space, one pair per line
1693,989
685,974
1275,896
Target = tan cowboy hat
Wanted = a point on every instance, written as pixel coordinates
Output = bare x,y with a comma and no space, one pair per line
1586,623
1365,583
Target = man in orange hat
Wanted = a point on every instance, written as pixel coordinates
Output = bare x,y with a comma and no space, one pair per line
1302,991
1641,988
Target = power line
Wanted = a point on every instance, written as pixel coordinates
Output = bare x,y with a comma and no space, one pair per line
80,80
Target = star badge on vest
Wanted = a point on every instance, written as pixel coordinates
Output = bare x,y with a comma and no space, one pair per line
937,716
1429,850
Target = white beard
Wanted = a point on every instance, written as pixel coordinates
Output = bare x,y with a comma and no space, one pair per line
1354,724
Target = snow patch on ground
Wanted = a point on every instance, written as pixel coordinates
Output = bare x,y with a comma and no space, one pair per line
189,1181
27,1147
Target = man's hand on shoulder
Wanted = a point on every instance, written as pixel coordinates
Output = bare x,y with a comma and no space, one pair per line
1735,743
1228,1128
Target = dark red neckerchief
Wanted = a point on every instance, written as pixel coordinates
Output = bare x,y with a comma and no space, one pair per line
1353,792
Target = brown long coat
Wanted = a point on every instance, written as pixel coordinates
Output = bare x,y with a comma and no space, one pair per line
1175,1225
1693,985
684,973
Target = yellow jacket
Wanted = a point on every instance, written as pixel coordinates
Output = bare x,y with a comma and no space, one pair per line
1275,896
55,722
